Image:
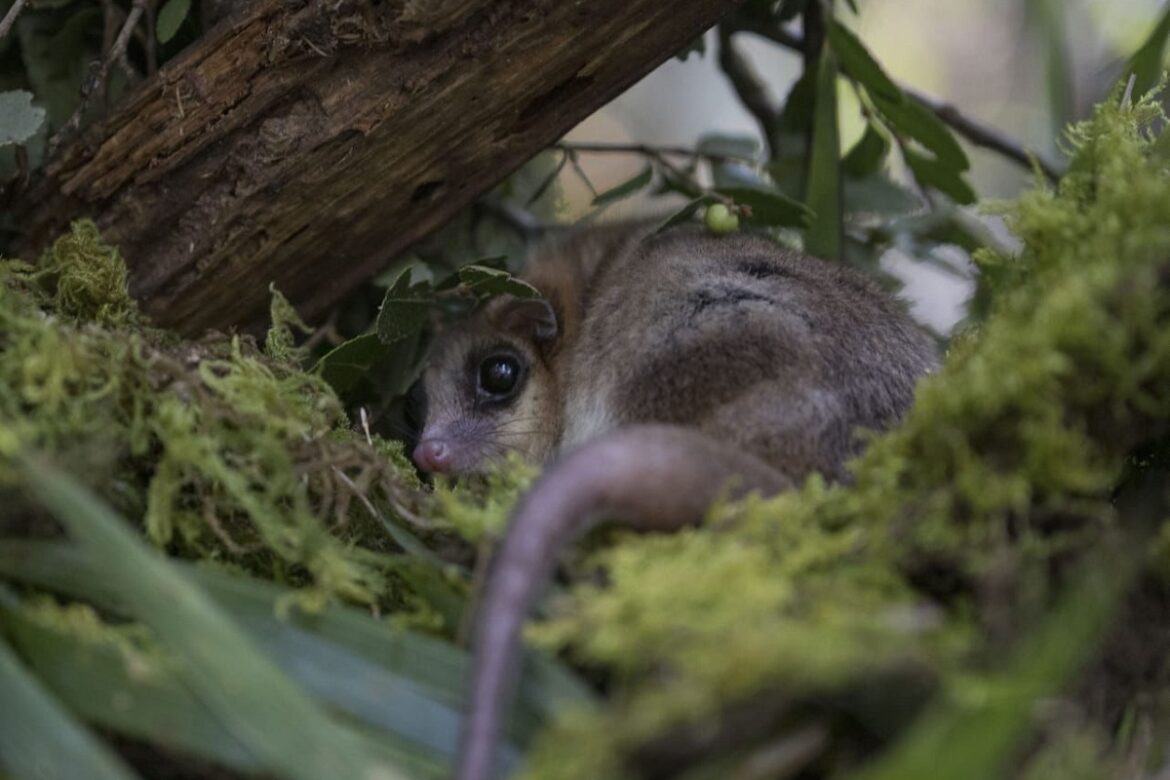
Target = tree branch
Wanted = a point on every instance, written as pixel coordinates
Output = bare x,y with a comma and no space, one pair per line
976,132
307,144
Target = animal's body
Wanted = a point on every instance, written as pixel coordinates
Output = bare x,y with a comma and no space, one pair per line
659,371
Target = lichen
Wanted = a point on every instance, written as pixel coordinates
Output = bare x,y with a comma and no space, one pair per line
1009,455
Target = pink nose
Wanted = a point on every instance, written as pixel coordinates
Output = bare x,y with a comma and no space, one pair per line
433,455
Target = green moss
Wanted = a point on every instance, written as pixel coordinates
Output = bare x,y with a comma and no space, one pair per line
1004,466
224,453
479,509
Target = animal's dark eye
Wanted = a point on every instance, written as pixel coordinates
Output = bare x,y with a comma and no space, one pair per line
499,374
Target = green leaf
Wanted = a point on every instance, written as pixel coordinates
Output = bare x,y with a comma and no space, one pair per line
867,155
826,227
930,172
857,62
746,147
487,282
911,119
686,212
19,118
1145,65
405,308
349,361
170,18
145,699
56,58
769,208
412,659
266,711
626,188
39,739
877,194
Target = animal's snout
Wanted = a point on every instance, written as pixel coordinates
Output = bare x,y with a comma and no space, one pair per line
434,456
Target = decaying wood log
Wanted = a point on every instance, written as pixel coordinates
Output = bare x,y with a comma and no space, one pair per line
306,143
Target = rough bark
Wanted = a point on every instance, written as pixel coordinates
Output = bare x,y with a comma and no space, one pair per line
306,143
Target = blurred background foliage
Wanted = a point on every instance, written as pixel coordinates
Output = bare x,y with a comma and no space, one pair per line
309,616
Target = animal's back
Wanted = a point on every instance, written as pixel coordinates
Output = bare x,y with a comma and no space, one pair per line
753,344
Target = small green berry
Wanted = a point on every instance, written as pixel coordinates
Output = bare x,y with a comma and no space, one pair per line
721,220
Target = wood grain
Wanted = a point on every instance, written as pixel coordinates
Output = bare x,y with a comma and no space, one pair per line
306,143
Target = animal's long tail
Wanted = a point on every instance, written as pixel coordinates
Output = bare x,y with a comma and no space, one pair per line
656,477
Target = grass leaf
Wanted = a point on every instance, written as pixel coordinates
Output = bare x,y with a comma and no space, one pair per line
823,196
38,739
261,706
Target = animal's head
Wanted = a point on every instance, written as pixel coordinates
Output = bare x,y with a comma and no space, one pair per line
489,389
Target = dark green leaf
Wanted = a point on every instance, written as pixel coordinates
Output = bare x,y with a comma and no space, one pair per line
19,118
40,740
626,188
266,711
857,62
348,362
911,119
826,226
145,699
412,659
867,155
877,194
686,212
1145,65
930,172
488,282
769,208
405,308
746,147
56,58
170,18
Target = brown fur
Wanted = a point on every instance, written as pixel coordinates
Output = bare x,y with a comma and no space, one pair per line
680,362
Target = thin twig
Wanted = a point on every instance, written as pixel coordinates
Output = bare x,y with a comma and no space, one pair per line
10,17
976,132
648,150
98,78
752,90
519,219
985,136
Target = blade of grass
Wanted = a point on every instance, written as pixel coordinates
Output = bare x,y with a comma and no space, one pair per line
825,232
261,706
39,739
101,684
432,666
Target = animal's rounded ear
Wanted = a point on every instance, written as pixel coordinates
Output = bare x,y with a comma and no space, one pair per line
532,318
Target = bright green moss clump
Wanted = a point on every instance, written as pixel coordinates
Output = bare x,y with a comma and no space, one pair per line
223,452
941,554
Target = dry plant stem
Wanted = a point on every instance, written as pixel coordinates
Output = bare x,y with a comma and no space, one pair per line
116,53
976,132
10,17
